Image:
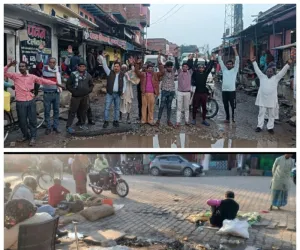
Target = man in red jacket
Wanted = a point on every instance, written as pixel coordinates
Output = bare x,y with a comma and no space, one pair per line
57,193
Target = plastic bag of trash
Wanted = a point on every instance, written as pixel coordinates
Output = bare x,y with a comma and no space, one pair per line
235,227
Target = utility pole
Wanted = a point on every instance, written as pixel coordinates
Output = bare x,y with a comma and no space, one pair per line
228,24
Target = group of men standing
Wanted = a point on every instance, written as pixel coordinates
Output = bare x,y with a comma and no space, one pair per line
120,80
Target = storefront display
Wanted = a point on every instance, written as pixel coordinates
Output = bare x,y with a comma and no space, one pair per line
36,34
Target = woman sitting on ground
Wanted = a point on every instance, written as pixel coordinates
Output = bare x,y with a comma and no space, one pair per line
223,209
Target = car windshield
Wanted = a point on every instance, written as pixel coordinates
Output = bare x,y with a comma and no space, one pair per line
153,61
184,159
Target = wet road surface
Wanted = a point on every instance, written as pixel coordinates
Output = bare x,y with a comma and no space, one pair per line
240,134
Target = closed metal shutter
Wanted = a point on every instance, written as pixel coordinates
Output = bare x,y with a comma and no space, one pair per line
13,23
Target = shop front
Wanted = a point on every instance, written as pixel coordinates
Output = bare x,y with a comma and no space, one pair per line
30,40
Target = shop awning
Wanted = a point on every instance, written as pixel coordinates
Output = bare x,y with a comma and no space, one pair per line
13,23
285,46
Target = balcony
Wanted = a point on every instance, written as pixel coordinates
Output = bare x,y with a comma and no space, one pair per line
144,21
119,16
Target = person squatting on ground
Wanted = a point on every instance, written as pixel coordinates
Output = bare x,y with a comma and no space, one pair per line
199,79
57,193
280,184
51,95
115,88
230,72
184,88
267,98
149,82
25,99
101,165
167,91
80,84
226,209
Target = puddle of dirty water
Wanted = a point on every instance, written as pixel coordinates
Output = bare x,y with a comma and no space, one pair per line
167,141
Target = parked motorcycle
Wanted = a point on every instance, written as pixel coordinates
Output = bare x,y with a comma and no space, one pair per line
116,184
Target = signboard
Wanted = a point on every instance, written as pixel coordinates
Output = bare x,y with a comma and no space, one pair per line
36,34
99,37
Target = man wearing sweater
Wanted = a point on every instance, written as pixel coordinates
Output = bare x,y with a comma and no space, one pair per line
51,92
199,79
80,84
116,86
228,87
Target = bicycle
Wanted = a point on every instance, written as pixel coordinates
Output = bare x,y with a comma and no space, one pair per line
44,179
10,124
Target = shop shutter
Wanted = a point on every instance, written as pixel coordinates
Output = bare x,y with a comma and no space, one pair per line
13,23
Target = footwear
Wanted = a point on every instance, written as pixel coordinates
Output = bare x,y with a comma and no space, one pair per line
128,121
56,130
92,122
187,124
83,127
278,208
151,124
157,123
57,241
170,124
258,129
177,125
271,131
70,130
194,122
32,142
23,139
48,131
205,123
78,124
105,125
116,124
60,233
271,208
227,121
233,120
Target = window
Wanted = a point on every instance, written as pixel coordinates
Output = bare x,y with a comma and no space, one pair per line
173,158
163,158
91,19
81,13
86,17
68,5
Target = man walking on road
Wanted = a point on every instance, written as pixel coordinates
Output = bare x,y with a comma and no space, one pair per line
115,88
91,61
199,79
51,95
80,84
168,92
267,99
184,88
228,86
25,99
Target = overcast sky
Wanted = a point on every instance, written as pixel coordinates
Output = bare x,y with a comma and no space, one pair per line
195,24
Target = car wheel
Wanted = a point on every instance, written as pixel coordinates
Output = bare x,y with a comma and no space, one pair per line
188,172
155,171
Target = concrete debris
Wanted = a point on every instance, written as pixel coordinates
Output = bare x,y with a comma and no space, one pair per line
292,121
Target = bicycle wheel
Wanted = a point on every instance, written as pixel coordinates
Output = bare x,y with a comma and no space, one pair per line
7,124
39,112
29,173
45,181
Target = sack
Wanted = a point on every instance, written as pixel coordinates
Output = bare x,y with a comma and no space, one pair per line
68,218
97,212
235,227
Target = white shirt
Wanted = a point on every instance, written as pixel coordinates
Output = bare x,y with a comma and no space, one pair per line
116,83
70,161
229,76
25,193
267,93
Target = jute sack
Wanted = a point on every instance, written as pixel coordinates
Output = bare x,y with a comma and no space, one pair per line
97,212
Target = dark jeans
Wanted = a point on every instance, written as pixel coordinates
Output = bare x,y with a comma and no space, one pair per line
200,99
89,114
166,100
139,98
114,98
26,112
51,99
78,104
229,97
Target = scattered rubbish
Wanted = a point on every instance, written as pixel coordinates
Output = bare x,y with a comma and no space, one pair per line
252,218
232,242
73,237
185,238
199,229
203,216
176,200
118,207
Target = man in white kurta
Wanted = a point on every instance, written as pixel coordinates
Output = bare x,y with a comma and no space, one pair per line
267,95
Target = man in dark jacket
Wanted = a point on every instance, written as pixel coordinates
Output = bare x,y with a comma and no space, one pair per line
199,79
80,84
91,61
115,88
227,210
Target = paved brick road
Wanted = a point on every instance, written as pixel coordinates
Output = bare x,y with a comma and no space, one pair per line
150,210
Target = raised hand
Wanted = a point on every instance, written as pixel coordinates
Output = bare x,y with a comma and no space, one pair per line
12,63
253,59
139,61
191,56
70,49
42,46
131,60
176,52
290,62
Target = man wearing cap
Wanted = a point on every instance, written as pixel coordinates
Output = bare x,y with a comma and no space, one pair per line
80,84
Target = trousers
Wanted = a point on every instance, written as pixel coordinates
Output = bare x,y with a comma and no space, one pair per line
148,101
78,104
166,100
200,99
229,97
271,117
183,104
51,99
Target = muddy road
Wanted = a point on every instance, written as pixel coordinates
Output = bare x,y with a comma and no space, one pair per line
241,134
